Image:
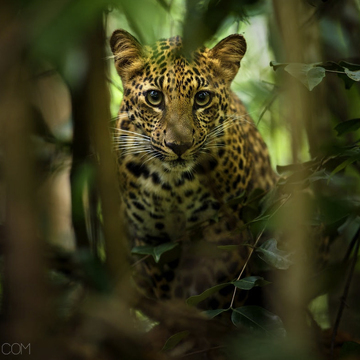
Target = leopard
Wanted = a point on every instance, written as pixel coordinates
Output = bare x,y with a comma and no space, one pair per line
186,149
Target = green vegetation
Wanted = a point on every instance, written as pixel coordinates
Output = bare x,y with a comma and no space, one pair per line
66,283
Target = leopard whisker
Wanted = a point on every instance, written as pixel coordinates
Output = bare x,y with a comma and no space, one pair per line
132,132
229,121
132,148
156,155
131,143
127,152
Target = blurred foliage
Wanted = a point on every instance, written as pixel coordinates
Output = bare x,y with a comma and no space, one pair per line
85,306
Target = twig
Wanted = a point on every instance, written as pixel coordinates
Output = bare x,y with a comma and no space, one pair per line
254,247
246,262
345,294
350,248
140,260
267,107
113,83
335,71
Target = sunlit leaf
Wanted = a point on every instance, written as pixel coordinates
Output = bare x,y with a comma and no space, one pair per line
172,341
344,164
249,282
257,319
270,253
314,77
347,126
353,75
309,74
154,251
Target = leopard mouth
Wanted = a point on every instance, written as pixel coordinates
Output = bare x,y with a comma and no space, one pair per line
179,164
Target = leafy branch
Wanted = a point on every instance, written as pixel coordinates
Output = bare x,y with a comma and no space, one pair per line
255,244
311,75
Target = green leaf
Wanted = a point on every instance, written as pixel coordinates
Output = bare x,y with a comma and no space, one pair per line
350,349
315,76
236,200
270,253
309,74
319,175
350,66
249,282
160,249
142,250
257,319
244,284
347,126
194,300
342,166
155,251
212,313
172,341
353,75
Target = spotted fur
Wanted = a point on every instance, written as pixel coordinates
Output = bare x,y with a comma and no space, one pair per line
180,161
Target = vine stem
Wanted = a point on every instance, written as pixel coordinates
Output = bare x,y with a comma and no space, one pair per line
254,247
335,71
140,260
246,262
345,294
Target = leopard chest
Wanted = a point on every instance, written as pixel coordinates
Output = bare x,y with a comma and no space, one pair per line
162,208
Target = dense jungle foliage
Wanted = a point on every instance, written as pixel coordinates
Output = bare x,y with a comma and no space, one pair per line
65,281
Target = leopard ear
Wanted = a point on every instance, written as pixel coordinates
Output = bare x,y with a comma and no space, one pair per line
127,52
229,53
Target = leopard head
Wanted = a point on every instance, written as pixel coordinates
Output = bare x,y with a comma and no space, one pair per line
173,99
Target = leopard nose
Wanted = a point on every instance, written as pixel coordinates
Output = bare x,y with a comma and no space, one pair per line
178,149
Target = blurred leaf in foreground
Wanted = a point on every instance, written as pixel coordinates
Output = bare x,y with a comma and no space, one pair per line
154,251
258,320
270,253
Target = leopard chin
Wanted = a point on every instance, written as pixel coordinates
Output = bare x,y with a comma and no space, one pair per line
179,164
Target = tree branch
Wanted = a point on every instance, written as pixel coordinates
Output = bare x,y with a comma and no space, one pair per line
345,294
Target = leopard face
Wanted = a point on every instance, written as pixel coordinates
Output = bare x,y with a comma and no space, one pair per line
175,100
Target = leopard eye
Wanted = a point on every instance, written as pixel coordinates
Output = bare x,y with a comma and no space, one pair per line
202,98
154,97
